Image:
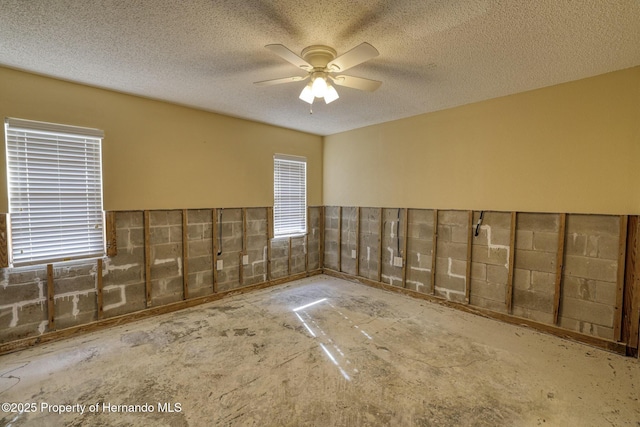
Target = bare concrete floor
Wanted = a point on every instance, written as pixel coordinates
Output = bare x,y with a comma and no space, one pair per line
325,352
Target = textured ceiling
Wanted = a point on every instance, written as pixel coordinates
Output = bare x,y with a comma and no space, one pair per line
207,54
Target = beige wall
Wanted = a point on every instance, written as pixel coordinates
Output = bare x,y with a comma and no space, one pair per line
574,147
161,156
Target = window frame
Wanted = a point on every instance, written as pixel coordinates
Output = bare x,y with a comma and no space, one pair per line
65,162
279,230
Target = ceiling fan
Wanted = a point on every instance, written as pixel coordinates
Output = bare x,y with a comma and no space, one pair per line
322,67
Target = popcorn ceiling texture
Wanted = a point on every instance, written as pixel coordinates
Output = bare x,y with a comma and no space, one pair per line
207,54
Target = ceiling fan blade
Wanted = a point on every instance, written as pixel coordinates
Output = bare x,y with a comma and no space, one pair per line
356,82
282,80
289,56
357,55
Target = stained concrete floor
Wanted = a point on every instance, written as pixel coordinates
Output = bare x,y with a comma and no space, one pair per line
320,352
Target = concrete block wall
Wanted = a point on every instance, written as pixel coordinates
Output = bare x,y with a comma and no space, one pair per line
74,290
490,260
229,248
369,255
392,245
535,265
23,291
279,258
314,238
165,240
590,274
420,250
348,240
199,252
451,255
257,239
331,240
123,281
589,281
23,302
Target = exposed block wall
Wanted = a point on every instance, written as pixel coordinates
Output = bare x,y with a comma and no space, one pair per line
535,266
368,263
349,240
23,302
314,239
392,245
490,260
74,286
200,252
123,281
256,250
279,258
331,239
420,250
229,248
165,241
590,274
451,255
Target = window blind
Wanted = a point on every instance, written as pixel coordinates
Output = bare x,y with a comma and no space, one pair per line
55,192
290,195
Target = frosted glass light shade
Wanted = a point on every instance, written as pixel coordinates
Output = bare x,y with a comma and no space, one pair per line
331,94
307,94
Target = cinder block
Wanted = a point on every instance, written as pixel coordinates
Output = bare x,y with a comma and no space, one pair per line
492,291
591,268
593,224
166,251
200,248
575,244
230,244
451,250
64,285
134,299
158,235
533,300
587,311
534,315
460,234
132,274
489,304
578,288
524,239
606,293
202,263
545,241
478,271
497,274
231,215
521,279
165,269
22,275
535,260
586,328
538,222
175,234
21,292
485,255
129,219
543,282
449,217
608,247
199,216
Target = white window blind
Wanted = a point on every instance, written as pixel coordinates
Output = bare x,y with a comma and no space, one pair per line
55,192
290,195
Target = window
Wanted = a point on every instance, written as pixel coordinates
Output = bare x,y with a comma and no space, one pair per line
290,195
54,179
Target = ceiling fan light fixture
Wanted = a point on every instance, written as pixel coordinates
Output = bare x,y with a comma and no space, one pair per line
307,94
331,94
319,86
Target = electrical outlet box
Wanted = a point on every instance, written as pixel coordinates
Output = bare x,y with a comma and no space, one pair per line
397,261
219,265
245,259
353,253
